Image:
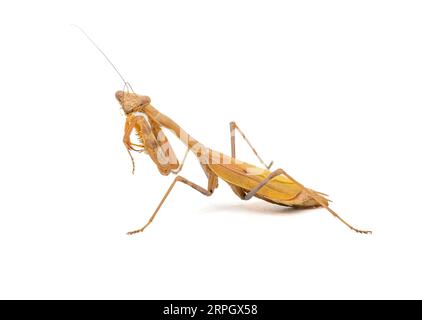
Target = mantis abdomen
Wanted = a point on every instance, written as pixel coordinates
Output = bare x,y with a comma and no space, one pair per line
279,190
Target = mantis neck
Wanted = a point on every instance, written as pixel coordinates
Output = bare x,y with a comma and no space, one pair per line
195,146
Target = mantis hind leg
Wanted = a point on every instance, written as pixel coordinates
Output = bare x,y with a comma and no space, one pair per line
212,184
312,194
233,128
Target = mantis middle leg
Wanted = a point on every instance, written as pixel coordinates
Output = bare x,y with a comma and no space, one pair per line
212,184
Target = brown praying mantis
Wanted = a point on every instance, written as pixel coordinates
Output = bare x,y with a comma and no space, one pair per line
246,180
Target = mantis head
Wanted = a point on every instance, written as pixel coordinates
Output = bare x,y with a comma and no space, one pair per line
132,102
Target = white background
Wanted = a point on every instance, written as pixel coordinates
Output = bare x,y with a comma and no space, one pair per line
329,90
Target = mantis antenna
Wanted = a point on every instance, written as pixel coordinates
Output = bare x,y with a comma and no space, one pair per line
127,84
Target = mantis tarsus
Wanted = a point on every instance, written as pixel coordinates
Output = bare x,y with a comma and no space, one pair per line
245,180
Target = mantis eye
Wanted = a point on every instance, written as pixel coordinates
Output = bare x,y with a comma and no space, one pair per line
119,95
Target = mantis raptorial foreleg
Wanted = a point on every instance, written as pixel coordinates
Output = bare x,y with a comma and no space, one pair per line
309,192
164,144
182,163
233,127
211,186
155,143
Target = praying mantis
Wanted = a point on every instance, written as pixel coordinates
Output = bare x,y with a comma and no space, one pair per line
245,180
